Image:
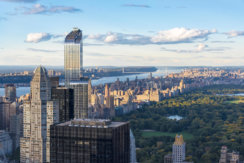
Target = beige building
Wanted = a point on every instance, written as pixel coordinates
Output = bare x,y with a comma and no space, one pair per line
228,157
179,150
38,114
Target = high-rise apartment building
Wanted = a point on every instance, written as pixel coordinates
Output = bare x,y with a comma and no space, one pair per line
38,114
10,92
73,61
73,56
7,110
65,98
179,149
16,127
90,141
80,98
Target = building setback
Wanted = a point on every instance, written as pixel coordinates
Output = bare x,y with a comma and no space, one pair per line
90,141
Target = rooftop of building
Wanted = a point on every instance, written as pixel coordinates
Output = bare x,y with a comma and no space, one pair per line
75,36
78,82
40,70
98,123
61,87
9,85
179,140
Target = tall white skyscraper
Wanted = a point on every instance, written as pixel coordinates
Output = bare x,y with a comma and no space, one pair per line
38,114
73,56
179,150
73,61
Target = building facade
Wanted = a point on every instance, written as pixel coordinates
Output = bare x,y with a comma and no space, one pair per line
6,143
38,114
73,56
179,150
16,126
65,98
73,65
90,141
80,98
228,157
10,92
168,158
7,110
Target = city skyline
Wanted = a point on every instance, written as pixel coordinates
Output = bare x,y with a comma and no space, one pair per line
124,33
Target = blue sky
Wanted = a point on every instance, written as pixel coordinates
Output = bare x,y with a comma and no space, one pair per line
124,32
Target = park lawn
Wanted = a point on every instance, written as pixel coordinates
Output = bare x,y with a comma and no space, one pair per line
148,134
236,101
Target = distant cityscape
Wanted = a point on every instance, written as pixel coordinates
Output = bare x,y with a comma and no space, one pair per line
64,118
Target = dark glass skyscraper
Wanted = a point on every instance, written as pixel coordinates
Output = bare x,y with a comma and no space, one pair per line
90,141
73,56
80,98
65,98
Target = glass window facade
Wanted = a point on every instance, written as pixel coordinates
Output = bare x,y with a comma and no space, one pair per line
73,56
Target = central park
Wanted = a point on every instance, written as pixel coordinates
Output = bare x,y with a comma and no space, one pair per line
211,118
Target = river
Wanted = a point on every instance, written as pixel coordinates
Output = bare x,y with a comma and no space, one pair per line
160,72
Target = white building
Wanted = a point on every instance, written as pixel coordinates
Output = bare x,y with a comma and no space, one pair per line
179,150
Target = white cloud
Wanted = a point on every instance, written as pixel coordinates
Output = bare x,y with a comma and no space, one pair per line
96,36
36,9
42,50
235,33
42,36
38,37
136,5
180,35
120,38
111,38
172,36
42,9
201,47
